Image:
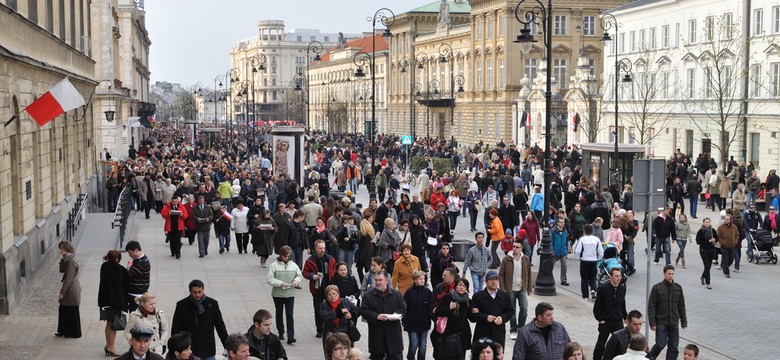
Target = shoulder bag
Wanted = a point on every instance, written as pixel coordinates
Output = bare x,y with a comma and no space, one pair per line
449,345
120,320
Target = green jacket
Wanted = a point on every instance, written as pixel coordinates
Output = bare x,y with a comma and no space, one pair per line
225,190
279,273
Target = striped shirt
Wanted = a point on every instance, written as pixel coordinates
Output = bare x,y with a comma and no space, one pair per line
477,260
138,283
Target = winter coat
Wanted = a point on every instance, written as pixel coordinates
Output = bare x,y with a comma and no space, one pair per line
166,214
71,287
328,315
384,337
487,305
201,327
402,272
313,265
112,290
263,241
457,319
417,299
202,217
283,272
560,241
388,242
240,217
157,323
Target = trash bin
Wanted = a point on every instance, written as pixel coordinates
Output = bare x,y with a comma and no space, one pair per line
459,248
338,195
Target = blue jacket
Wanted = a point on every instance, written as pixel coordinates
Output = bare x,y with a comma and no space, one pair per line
537,202
560,241
417,305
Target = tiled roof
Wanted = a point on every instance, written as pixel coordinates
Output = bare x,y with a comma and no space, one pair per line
365,44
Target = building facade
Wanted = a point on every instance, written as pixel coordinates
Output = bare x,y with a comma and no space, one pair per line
340,101
470,44
43,169
708,79
122,67
282,55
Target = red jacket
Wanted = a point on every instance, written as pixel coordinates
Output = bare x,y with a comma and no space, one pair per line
310,268
166,214
189,222
437,198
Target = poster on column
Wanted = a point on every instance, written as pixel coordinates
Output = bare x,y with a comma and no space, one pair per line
288,153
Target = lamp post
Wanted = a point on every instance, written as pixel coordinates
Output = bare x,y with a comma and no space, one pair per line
243,91
431,85
231,76
195,90
360,59
420,62
298,79
539,13
314,47
445,52
621,65
217,92
258,62
328,100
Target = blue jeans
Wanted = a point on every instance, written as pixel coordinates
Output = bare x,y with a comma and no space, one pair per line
664,245
297,257
750,198
666,335
285,305
477,281
518,297
352,185
749,237
224,241
347,256
417,340
694,200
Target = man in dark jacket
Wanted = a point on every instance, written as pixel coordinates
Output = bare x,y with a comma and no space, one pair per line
507,214
140,337
381,305
663,231
263,344
282,219
203,214
200,316
694,189
666,311
609,309
297,239
319,269
618,342
600,209
495,310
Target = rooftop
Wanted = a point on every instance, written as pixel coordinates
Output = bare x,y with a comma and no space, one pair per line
455,7
365,44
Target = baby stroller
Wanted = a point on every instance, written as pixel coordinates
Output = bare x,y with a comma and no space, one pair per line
610,260
762,247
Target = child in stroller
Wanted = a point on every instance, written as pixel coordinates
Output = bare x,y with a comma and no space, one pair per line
609,261
762,247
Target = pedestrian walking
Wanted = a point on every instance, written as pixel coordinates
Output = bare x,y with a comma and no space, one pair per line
202,213
666,313
609,309
284,276
589,250
138,270
200,316
383,307
174,214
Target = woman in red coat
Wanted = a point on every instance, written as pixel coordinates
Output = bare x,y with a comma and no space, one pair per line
189,222
174,215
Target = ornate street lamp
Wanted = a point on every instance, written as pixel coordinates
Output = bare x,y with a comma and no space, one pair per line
538,13
360,59
621,65
447,55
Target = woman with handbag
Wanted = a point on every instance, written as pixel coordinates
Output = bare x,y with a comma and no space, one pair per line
338,314
388,243
452,324
148,315
112,297
366,246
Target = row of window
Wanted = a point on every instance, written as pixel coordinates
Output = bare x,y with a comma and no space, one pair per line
723,27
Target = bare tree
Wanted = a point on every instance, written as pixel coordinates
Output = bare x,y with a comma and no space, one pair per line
646,103
586,92
717,106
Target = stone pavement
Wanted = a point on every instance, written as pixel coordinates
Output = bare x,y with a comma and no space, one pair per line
239,284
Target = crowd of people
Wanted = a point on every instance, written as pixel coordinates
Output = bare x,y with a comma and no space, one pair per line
399,245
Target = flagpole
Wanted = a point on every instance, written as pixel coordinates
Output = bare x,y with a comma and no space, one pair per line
16,116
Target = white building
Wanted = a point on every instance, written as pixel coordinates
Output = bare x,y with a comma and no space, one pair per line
282,54
706,77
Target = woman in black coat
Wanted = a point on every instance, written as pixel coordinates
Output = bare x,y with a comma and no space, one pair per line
347,285
112,295
337,312
456,307
419,240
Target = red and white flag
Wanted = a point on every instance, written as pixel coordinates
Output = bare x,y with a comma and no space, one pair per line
61,98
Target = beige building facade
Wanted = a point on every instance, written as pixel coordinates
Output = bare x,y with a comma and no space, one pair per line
476,39
43,169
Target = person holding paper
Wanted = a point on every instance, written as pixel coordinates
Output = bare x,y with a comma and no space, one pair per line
174,215
382,307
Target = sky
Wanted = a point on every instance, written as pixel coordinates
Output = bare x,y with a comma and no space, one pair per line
191,39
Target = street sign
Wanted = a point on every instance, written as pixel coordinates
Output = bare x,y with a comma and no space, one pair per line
406,140
649,179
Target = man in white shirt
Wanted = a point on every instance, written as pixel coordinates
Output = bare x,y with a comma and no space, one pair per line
589,250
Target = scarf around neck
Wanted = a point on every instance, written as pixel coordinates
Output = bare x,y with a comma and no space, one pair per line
459,299
320,228
199,304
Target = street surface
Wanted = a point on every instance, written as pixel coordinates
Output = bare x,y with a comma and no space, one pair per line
734,320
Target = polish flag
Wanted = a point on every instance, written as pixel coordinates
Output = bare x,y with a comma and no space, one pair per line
61,98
